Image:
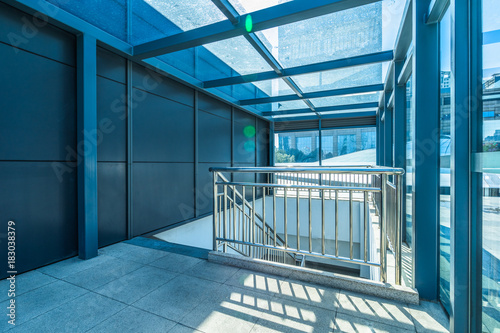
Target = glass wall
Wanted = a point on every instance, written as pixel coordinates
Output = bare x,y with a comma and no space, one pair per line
444,160
410,115
491,167
347,146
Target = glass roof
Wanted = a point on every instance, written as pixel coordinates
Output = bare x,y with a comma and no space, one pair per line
154,19
353,32
346,100
340,78
249,6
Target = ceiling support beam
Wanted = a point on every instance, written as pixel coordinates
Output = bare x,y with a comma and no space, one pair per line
366,59
325,109
286,13
318,94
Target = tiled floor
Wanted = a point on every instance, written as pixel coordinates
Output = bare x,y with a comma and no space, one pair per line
131,288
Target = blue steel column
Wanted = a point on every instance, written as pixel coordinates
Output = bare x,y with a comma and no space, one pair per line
387,132
399,114
425,153
271,143
87,158
379,147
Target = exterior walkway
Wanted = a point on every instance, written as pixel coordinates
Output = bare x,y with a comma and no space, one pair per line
133,288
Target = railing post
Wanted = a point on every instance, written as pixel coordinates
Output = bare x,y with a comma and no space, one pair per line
383,229
225,219
399,210
214,178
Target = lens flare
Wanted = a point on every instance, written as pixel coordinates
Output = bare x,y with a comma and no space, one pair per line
250,146
249,23
249,131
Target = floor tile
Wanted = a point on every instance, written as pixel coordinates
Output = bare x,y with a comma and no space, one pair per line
135,285
73,265
118,250
41,300
375,309
99,275
211,271
132,320
289,316
232,309
25,282
176,262
429,317
348,323
179,296
78,315
183,329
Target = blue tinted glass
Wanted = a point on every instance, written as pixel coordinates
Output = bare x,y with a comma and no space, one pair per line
296,148
410,126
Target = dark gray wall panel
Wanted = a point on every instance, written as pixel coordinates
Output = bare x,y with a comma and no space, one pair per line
163,131
246,178
155,83
204,187
44,210
262,135
112,205
111,121
111,65
213,106
214,135
21,30
244,146
163,195
244,117
37,118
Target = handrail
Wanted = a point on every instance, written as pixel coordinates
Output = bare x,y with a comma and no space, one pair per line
319,170
293,186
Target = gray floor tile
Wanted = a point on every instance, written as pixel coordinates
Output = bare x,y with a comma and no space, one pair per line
310,294
25,282
135,285
132,320
118,250
78,315
99,275
256,281
376,309
176,262
143,255
183,329
289,316
178,297
73,265
429,317
41,300
348,323
232,309
211,271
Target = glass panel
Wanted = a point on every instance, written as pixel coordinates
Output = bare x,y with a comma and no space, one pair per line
348,146
296,148
444,161
154,19
333,36
110,16
410,123
346,100
281,106
491,177
340,78
249,6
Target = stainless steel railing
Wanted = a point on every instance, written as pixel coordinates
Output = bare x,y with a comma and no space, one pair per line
239,227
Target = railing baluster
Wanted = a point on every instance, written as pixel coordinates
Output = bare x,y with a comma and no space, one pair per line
225,218
286,217
365,219
243,214
216,207
310,222
336,223
350,225
274,215
298,221
398,228
264,240
322,221
383,230
234,212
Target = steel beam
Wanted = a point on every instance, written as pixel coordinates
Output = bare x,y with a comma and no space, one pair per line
86,69
318,94
328,116
425,154
366,59
286,13
437,8
404,37
345,107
